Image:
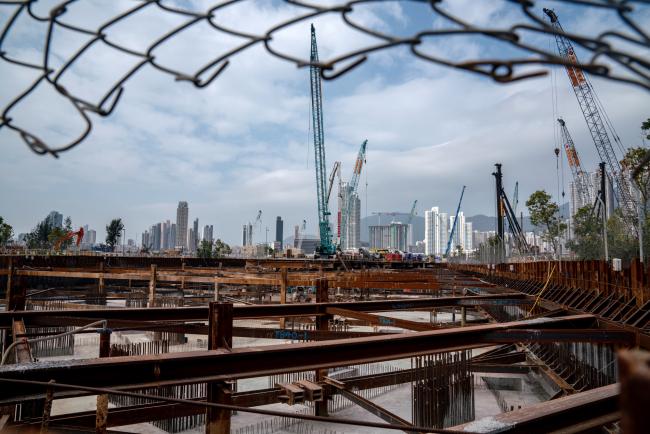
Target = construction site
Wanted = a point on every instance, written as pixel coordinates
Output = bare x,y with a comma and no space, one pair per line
188,337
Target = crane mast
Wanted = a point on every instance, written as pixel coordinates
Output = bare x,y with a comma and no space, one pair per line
453,227
588,102
325,231
582,185
351,190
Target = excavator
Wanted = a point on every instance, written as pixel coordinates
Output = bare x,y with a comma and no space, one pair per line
68,235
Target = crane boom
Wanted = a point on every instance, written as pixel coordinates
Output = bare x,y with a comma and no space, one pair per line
351,190
335,170
412,213
585,192
591,110
325,231
453,227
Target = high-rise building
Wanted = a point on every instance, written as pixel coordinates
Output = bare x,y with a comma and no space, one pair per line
353,236
436,231
208,233
91,237
350,237
194,238
156,231
469,245
247,235
172,236
379,236
182,213
164,235
432,231
146,243
459,232
398,236
191,240
55,219
279,230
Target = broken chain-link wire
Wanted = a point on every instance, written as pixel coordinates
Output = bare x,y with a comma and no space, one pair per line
500,70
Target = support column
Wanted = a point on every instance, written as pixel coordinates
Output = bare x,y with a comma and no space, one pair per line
101,417
101,291
220,337
283,293
463,316
10,281
216,289
322,323
152,285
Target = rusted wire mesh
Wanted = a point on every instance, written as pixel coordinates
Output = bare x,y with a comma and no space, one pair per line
619,46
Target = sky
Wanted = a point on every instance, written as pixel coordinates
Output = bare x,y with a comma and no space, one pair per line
242,144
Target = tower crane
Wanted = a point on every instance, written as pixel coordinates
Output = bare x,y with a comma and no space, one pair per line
585,192
453,227
351,190
326,246
594,113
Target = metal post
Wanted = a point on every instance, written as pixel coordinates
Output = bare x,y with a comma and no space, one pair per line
102,400
283,293
220,337
641,220
322,323
152,285
47,409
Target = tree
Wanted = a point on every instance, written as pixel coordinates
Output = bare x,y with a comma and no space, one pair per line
633,158
205,250
544,214
645,128
6,232
588,234
221,249
39,237
113,232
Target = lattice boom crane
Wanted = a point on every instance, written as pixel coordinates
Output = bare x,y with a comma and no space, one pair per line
580,179
326,246
351,190
591,109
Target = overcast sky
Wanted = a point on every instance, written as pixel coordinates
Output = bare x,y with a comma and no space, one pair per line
242,144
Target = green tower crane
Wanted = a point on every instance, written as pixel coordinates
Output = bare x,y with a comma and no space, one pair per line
326,247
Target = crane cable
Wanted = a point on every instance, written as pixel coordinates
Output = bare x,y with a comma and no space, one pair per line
548,279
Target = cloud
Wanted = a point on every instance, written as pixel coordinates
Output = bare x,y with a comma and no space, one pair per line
240,145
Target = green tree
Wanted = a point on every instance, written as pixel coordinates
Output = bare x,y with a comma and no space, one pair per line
39,237
205,249
633,158
113,232
221,249
588,234
544,214
6,232
645,127
620,243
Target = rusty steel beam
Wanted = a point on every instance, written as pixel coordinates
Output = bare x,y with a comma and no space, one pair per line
553,415
265,310
178,368
380,320
22,351
371,407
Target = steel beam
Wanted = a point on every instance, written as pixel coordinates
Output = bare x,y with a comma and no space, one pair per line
550,416
265,310
192,367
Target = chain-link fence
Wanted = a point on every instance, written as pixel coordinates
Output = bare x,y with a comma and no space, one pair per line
619,46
